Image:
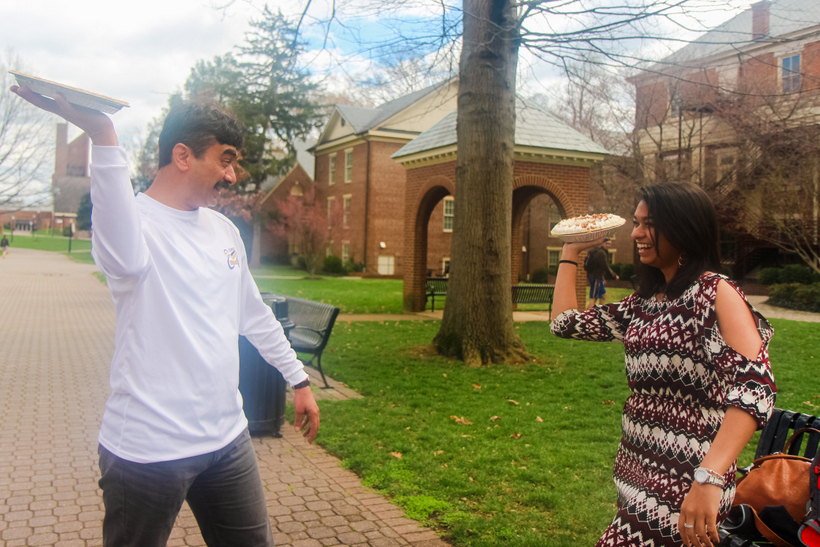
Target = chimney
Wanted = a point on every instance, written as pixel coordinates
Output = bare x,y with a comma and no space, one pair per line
61,152
760,20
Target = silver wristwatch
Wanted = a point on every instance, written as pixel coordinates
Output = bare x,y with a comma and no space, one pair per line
707,476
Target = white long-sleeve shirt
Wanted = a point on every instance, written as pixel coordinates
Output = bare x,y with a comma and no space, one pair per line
183,295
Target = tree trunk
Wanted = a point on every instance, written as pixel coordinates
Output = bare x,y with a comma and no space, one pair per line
478,324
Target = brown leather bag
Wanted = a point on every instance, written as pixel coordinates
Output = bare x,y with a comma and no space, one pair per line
774,481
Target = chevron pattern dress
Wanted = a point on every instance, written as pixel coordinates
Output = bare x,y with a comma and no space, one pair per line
683,376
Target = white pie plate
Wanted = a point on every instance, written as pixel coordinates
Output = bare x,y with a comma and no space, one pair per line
72,94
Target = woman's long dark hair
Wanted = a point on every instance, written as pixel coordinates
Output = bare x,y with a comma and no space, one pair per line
685,216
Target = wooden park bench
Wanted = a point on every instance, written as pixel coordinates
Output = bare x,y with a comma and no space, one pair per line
313,323
521,294
776,432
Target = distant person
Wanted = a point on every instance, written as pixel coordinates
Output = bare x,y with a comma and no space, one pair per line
173,428
596,265
697,366
4,245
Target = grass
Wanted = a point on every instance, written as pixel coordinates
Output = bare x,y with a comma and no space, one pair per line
48,243
350,294
462,449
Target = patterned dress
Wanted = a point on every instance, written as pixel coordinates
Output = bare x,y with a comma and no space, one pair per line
683,376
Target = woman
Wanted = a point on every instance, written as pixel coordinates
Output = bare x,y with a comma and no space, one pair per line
697,366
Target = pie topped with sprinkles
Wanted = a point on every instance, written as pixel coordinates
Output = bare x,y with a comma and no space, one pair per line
587,225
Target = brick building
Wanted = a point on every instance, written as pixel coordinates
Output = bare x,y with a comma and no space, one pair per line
552,163
71,179
354,170
702,112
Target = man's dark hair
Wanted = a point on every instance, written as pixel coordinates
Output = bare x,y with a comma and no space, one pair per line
197,126
685,216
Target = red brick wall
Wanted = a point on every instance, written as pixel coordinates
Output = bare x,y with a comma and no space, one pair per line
385,207
651,104
272,245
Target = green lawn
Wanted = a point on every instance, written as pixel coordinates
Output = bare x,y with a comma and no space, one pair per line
48,243
463,448
350,294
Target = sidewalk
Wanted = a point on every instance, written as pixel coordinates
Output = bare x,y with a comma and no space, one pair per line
57,336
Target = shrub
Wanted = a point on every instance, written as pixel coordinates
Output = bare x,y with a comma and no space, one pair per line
769,276
627,271
352,266
333,265
796,273
540,275
66,231
796,296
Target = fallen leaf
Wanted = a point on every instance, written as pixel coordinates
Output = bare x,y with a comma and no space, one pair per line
608,403
496,425
476,386
513,402
439,453
406,428
494,419
462,420
471,479
516,435
537,419
396,454
445,375
470,436
809,404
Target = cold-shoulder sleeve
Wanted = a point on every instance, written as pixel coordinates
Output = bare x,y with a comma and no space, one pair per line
599,323
749,382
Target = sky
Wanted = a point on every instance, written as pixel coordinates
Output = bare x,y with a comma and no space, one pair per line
137,52
142,52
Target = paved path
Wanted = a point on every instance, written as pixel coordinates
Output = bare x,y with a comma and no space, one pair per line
56,339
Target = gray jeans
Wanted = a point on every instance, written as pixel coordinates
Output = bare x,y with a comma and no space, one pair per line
222,488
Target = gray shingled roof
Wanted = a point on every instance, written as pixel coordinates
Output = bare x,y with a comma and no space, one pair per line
785,17
363,119
533,127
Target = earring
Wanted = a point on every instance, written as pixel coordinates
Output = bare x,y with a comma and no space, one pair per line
682,258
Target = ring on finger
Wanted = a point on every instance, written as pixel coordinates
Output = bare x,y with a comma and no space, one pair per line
689,526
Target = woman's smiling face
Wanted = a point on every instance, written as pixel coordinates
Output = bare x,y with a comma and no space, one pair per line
653,248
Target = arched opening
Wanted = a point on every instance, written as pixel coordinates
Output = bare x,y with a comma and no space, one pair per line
535,212
420,245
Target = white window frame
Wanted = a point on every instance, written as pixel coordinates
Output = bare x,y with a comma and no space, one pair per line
331,204
345,252
332,170
551,250
386,264
445,263
451,215
348,165
794,77
347,205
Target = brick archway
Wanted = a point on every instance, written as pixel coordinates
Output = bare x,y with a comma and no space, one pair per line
525,189
567,183
417,217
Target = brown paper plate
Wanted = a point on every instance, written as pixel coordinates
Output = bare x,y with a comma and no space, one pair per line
73,95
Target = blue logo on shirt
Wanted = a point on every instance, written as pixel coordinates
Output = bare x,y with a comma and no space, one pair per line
233,259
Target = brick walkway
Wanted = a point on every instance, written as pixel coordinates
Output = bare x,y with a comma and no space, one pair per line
56,338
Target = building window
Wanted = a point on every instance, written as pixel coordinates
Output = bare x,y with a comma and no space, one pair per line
386,265
791,74
449,208
553,256
329,249
331,203
332,178
346,210
445,266
348,165
296,190
345,252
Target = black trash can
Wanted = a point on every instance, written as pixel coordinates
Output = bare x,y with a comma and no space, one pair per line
262,386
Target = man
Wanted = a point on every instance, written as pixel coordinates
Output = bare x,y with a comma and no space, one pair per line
596,265
173,428
4,245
